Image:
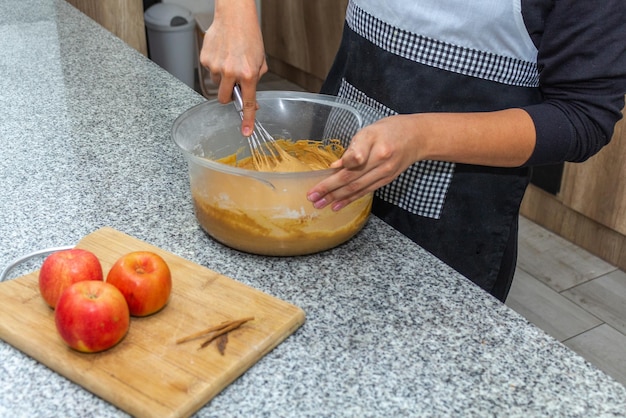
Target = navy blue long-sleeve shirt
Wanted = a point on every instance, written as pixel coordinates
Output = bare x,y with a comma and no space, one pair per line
582,74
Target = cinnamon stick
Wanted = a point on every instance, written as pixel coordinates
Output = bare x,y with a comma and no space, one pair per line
215,328
233,325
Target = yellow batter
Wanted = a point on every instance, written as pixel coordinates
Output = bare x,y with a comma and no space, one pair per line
290,157
244,213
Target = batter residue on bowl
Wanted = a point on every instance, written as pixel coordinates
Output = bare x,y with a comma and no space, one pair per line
301,155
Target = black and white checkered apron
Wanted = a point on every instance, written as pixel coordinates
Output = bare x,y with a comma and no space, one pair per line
465,215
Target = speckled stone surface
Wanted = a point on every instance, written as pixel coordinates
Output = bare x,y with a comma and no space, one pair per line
390,331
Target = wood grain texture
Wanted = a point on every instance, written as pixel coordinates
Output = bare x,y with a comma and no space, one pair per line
597,187
302,38
147,373
546,308
123,18
555,261
548,211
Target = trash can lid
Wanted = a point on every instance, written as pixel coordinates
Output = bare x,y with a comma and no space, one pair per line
167,16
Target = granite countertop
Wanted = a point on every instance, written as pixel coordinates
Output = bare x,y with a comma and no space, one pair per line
390,330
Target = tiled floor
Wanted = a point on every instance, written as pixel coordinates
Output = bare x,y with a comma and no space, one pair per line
564,290
573,296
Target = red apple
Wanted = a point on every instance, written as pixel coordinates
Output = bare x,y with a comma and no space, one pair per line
63,268
144,279
92,316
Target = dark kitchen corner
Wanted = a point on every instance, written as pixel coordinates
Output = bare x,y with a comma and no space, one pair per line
146,5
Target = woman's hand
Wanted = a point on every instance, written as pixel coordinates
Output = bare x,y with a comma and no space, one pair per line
380,152
377,155
233,53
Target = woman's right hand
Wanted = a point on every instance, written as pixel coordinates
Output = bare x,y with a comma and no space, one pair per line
233,53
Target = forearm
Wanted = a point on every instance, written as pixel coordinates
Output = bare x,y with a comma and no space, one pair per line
233,53
235,12
503,138
380,152
233,46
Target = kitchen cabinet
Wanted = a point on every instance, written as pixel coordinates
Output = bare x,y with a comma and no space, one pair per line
301,38
597,188
590,208
124,18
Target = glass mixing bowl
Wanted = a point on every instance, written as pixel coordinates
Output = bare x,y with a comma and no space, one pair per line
261,212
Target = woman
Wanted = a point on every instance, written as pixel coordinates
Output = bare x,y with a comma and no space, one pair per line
476,94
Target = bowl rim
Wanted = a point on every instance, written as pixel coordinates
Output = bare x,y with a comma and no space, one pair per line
336,101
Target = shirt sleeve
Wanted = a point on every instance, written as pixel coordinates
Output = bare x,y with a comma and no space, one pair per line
582,69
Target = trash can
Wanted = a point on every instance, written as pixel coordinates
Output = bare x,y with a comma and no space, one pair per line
171,42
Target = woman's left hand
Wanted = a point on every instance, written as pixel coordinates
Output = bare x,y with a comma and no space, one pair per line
377,155
381,151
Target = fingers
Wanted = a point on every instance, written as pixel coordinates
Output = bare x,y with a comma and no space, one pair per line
248,95
353,180
355,156
233,53
374,158
345,188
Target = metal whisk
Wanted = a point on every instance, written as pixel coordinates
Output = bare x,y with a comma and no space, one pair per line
265,151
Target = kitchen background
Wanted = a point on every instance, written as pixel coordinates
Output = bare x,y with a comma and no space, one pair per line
570,280
194,6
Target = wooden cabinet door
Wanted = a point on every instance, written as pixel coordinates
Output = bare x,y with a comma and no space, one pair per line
597,187
301,38
124,18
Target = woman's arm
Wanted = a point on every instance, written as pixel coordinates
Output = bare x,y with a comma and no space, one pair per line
582,63
233,52
381,151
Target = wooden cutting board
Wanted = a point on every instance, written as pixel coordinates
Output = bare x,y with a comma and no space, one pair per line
147,373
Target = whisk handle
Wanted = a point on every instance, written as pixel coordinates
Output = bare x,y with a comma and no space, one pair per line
238,100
